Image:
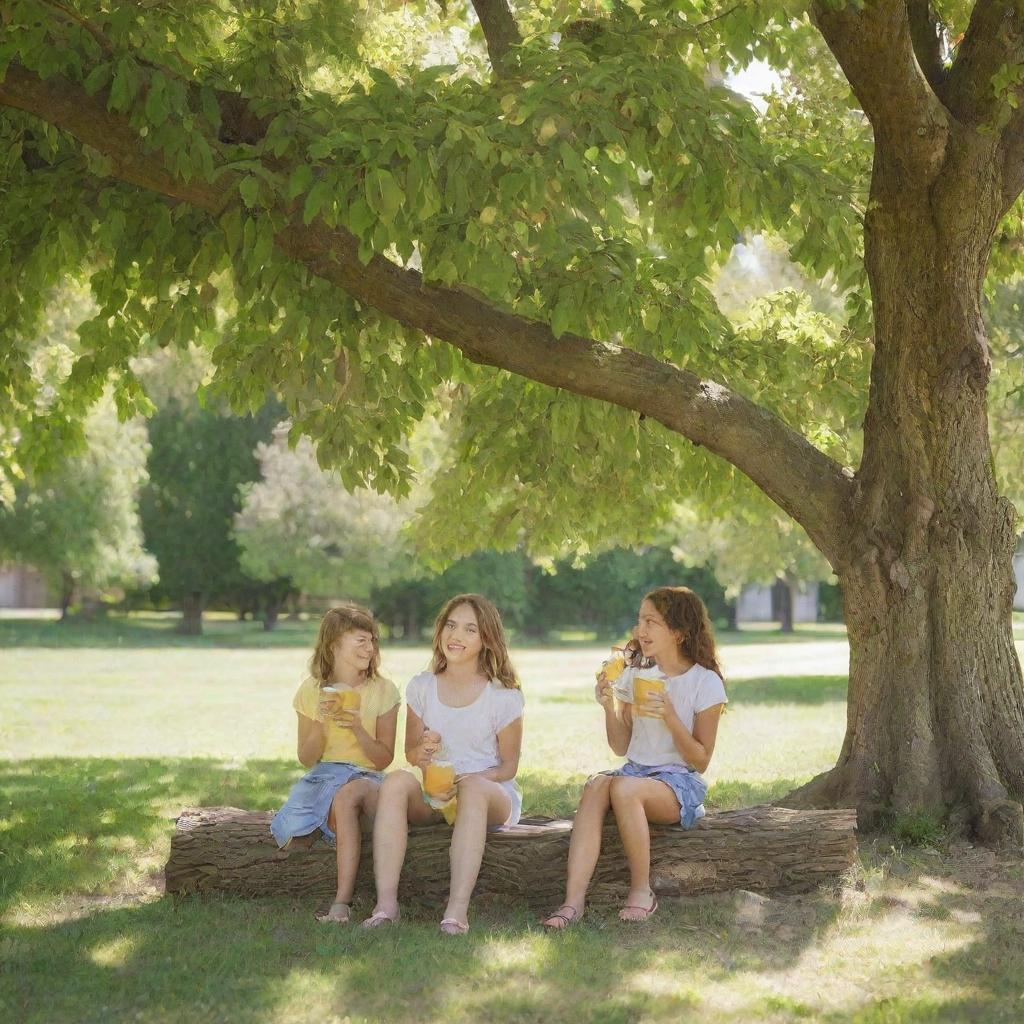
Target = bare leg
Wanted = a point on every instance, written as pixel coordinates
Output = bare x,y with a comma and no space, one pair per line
637,802
584,847
353,799
399,802
482,802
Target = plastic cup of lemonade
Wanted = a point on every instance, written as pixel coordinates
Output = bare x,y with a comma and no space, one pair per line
438,778
330,694
350,700
643,689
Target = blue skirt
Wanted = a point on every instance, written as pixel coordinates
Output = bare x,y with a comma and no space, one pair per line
310,800
687,784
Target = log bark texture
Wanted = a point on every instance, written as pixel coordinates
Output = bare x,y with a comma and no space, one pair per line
765,849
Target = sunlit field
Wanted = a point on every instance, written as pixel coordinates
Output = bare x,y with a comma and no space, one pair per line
107,731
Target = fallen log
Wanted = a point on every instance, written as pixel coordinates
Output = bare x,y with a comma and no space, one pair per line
763,848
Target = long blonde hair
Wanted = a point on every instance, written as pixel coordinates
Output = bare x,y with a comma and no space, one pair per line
334,624
494,661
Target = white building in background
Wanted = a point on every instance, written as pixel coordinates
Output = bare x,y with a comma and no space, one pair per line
1018,571
761,604
23,587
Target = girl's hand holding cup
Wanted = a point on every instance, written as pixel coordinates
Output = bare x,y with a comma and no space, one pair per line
429,745
610,671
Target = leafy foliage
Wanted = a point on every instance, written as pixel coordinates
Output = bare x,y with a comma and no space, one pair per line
299,523
78,521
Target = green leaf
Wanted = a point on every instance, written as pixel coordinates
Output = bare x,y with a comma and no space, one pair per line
249,188
300,180
384,195
319,195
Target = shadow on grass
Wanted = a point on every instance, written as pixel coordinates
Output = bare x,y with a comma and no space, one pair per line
69,826
82,825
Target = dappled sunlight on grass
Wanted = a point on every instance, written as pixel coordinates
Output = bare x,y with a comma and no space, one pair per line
87,804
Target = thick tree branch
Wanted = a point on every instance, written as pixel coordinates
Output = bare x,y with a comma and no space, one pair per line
875,48
499,28
802,480
994,37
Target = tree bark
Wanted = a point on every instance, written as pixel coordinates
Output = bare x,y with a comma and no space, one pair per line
768,849
192,614
67,593
782,599
936,699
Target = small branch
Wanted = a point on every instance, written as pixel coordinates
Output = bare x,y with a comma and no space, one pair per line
994,37
500,30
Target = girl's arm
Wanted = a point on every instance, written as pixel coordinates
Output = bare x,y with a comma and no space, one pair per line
312,740
380,751
697,747
618,725
510,744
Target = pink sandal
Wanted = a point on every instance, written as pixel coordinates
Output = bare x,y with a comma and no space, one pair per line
378,918
449,926
646,911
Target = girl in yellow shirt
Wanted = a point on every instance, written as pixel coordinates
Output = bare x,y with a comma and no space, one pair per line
345,748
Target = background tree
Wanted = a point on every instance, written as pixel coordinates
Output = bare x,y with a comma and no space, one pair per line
199,458
536,224
300,528
78,522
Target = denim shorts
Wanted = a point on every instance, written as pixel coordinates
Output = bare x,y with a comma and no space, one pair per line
309,802
688,785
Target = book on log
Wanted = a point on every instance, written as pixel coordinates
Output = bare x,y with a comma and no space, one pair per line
765,849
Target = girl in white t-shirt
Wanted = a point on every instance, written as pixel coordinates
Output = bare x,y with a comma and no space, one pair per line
470,707
667,738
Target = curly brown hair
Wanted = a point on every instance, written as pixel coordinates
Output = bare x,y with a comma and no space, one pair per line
336,622
684,612
494,659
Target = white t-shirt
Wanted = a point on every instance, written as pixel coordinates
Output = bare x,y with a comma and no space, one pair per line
469,734
697,689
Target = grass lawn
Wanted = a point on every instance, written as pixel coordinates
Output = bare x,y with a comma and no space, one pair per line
108,730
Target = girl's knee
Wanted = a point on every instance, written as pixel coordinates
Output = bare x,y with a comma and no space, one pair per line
352,794
598,788
623,788
398,785
473,787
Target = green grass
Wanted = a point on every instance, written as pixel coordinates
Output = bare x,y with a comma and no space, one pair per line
103,742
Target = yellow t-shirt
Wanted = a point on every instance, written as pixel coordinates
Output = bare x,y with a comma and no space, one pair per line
379,697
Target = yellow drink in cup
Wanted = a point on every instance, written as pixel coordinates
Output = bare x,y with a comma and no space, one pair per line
341,700
438,778
643,689
614,667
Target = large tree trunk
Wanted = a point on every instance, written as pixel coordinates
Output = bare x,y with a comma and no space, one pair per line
936,700
226,850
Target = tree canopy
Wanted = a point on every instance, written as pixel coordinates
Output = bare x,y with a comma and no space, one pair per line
516,210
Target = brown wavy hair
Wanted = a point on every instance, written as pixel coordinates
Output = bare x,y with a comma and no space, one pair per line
494,661
334,624
684,612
